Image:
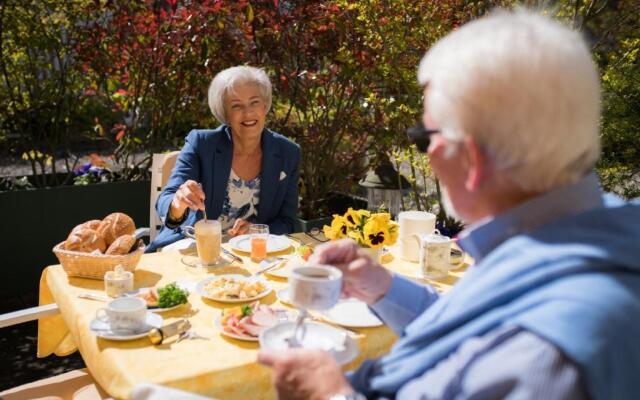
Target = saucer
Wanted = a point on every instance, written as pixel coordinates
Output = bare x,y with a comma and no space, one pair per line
318,336
103,329
351,313
193,261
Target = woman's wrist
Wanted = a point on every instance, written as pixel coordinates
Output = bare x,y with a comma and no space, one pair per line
175,214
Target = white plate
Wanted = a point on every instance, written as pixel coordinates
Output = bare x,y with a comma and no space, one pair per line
103,329
351,313
319,336
283,296
274,243
202,292
138,291
287,315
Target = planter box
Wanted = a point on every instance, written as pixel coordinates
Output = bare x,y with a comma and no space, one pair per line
336,203
306,225
33,221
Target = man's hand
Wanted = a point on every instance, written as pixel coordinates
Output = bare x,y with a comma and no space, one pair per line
189,195
305,374
240,227
363,278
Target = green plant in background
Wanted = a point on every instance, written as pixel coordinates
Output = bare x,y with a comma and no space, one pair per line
42,107
132,76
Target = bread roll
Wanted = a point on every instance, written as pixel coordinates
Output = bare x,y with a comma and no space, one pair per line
92,224
115,225
122,245
85,240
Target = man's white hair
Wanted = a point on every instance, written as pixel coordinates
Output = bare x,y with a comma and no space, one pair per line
225,82
526,88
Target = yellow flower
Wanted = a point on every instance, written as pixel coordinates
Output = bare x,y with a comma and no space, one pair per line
357,236
376,231
394,230
355,218
338,228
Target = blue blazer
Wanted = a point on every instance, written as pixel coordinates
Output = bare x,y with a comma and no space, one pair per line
206,158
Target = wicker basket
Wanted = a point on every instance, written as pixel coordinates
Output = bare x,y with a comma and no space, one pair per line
94,266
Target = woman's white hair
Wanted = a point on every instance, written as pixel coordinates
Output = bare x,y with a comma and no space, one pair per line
225,82
525,88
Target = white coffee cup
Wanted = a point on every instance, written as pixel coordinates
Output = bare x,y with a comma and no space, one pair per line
435,255
126,313
412,223
315,287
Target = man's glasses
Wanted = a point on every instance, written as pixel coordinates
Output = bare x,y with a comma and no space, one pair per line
421,136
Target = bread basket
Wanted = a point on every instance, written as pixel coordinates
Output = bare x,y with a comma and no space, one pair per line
94,266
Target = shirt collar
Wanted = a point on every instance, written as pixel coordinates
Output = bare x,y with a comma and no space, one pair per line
482,237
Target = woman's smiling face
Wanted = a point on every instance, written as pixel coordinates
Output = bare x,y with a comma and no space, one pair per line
245,110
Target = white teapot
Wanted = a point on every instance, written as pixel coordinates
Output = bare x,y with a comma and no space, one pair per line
434,255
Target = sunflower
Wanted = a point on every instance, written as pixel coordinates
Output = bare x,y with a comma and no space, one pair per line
355,219
338,228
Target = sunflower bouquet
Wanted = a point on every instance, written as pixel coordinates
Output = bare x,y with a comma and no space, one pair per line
368,229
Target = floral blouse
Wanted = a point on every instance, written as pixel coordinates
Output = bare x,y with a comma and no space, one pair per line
240,201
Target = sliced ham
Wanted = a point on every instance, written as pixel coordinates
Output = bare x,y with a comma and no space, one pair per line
249,327
264,317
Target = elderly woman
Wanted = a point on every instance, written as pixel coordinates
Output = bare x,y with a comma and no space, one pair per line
239,173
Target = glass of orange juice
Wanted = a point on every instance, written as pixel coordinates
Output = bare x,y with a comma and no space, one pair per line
259,236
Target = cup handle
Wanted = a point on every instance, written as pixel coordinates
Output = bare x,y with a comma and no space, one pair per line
187,232
101,315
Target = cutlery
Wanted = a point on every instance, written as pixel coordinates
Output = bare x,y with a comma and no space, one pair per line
295,239
353,333
269,267
233,256
92,296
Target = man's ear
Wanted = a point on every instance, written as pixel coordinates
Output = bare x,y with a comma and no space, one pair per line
477,165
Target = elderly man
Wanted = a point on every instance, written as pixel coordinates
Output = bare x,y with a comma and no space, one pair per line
551,308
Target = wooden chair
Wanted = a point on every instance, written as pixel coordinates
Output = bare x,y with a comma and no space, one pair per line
162,167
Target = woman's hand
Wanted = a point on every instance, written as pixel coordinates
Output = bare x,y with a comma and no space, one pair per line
240,227
189,195
362,277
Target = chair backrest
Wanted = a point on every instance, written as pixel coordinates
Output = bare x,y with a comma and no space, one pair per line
161,168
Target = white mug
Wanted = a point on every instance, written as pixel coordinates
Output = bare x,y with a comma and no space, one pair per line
128,313
315,287
412,223
435,255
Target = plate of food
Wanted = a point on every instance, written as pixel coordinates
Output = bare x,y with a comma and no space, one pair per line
233,288
248,321
162,299
300,258
274,243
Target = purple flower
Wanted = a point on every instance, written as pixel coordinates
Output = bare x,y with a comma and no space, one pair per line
96,171
83,169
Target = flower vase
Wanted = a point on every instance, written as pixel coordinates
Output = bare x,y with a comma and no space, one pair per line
374,254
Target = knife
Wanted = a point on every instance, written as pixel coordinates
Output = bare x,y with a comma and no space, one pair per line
233,256
269,267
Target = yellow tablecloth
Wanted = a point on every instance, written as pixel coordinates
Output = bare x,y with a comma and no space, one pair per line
220,367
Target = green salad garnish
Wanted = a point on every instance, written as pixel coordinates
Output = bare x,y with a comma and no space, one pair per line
246,310
171,295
